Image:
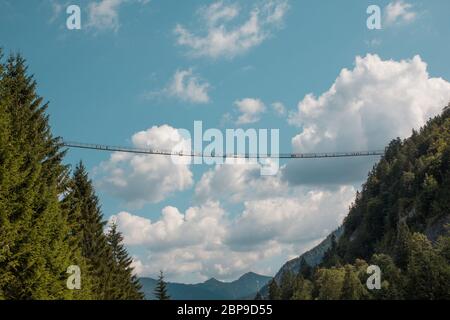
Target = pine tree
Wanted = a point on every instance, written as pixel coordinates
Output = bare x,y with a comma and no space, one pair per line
35,252
6,161
161,288
428,273
331,258
287,285
303,288
393,282
352,289
86,220
329,283
126,285
401,248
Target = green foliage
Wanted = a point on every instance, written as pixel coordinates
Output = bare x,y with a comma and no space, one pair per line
161,288
87,221
35,252
393,281
107,262
126,285
410,186
287,285
397,222
303,289
352,288
49,221
428,273
329,283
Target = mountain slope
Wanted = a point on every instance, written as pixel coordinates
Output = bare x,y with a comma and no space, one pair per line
312,257
245,287
399,221
410,185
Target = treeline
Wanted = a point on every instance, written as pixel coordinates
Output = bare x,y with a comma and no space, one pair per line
50,218
399,222
426,275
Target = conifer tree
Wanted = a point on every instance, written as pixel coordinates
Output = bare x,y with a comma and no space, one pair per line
393,282
87,222
302,289
126,285
287,285
402,244
428,273
352,289
35,252
329,283
5,163
161,288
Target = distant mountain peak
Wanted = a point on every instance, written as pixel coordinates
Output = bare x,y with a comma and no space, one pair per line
245,287
249,275
212,281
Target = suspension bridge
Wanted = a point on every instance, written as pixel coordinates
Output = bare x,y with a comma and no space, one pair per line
110,148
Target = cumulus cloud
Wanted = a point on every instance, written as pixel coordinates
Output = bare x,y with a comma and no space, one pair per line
198,225
103,15
140,179
310,215
206,242
238,182
222,38
378,100
250,110
399,12
188,87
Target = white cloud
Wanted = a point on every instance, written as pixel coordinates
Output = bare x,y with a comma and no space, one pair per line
206,242
188,87
250,110
279,108
141,179
217,12
103,15
399,12
364,109
368,106
309,215
199,225
238,182
224,39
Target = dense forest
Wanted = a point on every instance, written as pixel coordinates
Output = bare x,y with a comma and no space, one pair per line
399,222
50,216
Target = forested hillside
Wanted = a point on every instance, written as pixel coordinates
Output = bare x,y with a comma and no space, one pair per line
50,218
399,221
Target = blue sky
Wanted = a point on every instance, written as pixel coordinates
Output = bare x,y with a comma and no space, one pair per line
116,77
